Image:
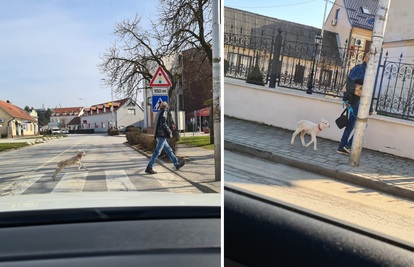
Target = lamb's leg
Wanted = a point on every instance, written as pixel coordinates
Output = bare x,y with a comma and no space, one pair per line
312,140
294,135
57,171
302,137
83,166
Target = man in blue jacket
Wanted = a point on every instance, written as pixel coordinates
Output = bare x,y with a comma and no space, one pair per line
356,76
162,132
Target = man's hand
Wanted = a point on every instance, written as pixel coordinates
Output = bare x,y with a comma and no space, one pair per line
370,113
173,127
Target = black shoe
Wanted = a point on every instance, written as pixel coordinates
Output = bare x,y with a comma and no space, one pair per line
342,151
150,170
180,165
347,148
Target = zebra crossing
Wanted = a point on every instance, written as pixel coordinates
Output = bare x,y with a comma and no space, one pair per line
74,182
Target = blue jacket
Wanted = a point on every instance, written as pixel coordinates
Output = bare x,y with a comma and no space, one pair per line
356,76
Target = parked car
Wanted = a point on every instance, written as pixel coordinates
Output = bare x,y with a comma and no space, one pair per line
64,131
56,131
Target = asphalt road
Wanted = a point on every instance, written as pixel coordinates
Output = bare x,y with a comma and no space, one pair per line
360,206
112,166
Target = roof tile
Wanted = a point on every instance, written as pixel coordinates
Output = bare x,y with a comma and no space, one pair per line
357,17
15,111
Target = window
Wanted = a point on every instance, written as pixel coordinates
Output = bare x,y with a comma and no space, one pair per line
131,111
338,11
365,10
299,74
239,63
96,125
90,125
103,125
325,78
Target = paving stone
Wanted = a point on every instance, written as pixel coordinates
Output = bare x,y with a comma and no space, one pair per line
374,165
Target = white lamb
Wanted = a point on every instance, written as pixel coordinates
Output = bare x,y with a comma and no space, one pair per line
305,126
71,161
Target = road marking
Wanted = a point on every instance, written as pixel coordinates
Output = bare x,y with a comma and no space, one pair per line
119,181
13,171
71,182
22,184
44,164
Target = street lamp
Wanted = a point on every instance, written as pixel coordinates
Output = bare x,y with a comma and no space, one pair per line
85,102
318,41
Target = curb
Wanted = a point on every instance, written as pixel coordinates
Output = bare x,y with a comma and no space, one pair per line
203,188
331,173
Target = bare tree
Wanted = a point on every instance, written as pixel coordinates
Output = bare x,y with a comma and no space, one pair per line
131,58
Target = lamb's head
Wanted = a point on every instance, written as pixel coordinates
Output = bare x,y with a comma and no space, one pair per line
81,153
324,123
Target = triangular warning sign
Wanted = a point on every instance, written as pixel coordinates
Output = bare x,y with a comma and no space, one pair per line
160,79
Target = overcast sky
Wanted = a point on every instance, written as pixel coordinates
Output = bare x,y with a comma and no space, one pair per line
49,49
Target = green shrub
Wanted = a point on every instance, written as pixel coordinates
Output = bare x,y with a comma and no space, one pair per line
4,136
255,76
132,138
44,133
147,142
114,132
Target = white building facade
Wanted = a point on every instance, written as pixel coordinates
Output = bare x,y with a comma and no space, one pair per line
126,113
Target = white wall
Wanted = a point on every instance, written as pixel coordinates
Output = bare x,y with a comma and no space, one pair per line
121,118
98,118
285,107
124,119
399,23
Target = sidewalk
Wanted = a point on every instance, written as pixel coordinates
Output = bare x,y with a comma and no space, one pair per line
198,169
378,171
199,166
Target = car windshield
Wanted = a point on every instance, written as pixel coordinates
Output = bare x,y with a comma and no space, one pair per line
73,128
322,118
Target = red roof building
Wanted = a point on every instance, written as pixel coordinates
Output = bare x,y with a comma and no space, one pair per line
15,122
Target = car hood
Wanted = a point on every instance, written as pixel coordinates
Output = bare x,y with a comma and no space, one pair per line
105,200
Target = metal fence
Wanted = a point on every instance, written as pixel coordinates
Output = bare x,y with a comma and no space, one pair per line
244,52
394,89
296,61
394,85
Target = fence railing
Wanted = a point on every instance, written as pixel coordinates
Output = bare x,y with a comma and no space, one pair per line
394,89
394,85
296,61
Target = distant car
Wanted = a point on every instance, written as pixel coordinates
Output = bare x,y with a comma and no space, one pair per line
56,131
64,131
